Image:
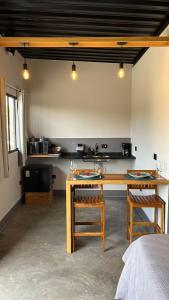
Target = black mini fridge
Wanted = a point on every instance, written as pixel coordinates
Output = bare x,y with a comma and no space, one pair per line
37,178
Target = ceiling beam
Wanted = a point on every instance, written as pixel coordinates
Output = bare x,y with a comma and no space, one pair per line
113,60
85,42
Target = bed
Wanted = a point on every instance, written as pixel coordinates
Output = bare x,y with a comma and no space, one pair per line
145,275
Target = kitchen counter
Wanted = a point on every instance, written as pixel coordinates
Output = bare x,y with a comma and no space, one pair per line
74,155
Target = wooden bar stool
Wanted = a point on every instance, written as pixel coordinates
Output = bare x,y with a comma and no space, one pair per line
83,201
142,201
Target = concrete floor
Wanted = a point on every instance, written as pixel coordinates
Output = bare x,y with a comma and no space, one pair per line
34,264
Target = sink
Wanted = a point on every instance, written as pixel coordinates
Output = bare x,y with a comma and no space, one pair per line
99,156
96,156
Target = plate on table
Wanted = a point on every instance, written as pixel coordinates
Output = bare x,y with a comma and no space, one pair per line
88,175
140,175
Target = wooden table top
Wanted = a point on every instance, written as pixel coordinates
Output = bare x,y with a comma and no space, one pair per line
116,179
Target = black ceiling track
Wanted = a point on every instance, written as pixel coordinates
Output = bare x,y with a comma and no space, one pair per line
83,18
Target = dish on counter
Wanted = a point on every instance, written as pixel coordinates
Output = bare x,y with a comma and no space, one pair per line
54,154
139,175
87,175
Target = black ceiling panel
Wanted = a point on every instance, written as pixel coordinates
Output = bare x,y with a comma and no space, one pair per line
83,18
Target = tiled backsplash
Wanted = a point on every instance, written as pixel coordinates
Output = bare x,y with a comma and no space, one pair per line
69,144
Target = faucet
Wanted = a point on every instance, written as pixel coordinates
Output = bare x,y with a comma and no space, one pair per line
96,148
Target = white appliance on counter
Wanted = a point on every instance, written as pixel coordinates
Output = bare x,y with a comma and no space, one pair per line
80,148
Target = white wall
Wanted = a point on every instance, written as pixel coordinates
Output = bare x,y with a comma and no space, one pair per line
9,187
150,111
150,107
96,105
10,67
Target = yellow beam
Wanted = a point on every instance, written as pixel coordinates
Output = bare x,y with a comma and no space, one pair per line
84,42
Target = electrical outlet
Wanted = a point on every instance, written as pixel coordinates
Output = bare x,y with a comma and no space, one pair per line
155,156
135,148
104,146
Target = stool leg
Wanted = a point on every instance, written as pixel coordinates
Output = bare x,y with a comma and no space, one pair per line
103,226
131,223
155,219
127,220
74,227
162,219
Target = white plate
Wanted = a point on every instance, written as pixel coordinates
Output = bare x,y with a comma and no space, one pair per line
92,174
140,175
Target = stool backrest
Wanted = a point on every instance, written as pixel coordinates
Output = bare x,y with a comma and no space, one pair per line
143,186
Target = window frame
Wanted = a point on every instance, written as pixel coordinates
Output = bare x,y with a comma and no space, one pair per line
8,120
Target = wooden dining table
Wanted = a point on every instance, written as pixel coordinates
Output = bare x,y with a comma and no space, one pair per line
110,179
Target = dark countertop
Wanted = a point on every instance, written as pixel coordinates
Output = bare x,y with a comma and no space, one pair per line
112,155
85,157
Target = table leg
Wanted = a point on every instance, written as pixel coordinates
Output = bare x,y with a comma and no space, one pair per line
68,219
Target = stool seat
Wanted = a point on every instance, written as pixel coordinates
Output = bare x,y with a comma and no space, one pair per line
146,201
88,201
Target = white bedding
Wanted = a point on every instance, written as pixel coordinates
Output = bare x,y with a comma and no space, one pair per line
145,275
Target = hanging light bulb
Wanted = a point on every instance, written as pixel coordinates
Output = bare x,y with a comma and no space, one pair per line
25,71
121,72
74,74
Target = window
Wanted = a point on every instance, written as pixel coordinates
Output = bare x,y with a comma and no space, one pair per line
11,111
